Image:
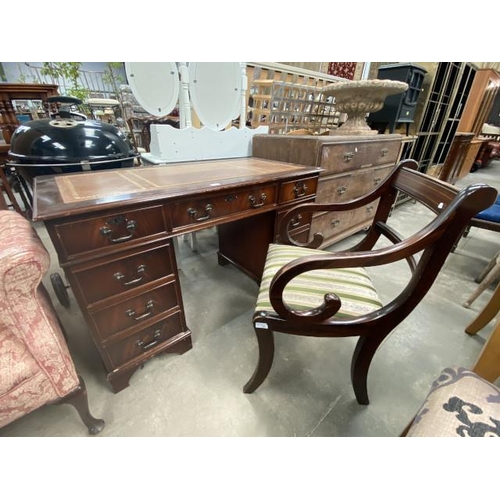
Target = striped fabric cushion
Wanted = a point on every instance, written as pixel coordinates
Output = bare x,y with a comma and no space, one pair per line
353,286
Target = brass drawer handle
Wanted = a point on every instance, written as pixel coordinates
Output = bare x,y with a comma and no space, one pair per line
295,222
131,226
140,271
377,180
254,204
341,190
369,209
348,156
193,213
155,341
149,310
384,152
335,222
300,189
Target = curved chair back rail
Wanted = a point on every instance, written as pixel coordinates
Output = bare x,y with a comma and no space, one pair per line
453,209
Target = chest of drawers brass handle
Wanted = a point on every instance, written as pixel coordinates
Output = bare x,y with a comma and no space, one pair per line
120,276
149,310
300,189
335,222
383,152
253,201
145,347
131,226
295,222
193,213
341,190
348,156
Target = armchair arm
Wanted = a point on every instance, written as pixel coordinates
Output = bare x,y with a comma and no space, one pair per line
341,260
25,308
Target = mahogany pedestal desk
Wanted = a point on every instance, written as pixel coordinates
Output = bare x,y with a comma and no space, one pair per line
113,233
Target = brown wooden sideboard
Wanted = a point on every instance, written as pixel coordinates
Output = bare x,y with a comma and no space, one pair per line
10,92
351,166
113,233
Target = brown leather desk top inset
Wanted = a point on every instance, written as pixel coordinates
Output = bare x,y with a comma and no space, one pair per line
89,191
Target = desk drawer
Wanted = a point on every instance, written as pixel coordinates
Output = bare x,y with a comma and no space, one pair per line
295,190
124,272
145,340
132,312
110,230
336,158
198,210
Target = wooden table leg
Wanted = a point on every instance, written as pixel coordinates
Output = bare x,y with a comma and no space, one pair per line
489,311
490,277
488,364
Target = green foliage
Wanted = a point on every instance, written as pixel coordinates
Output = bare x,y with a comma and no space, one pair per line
69,72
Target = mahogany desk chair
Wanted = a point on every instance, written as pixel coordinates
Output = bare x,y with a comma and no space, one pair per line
310,292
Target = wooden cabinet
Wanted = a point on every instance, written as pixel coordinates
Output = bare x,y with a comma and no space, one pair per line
399,108
451,168
480,102
352,166
12,92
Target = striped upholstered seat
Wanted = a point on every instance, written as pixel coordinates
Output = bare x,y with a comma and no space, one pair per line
306,291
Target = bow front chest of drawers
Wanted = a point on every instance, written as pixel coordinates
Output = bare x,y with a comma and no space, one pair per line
113,233
351,166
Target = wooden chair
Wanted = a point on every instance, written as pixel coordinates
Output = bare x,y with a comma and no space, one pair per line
311,292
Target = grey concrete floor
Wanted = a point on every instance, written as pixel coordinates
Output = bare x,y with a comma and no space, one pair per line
308,392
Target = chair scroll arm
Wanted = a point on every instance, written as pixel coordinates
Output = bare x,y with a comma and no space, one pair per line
331,305
394,237
378,192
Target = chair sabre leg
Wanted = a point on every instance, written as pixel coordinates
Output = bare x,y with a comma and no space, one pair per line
265,340
361,359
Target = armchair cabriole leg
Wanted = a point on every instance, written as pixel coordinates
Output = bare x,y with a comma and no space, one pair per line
265,340
80,401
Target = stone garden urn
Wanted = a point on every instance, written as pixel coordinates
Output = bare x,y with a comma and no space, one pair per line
357,98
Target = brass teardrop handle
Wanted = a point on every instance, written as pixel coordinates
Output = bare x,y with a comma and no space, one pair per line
192,212
253,201
295,221
145,347
131,226
300,189
149,310
140,271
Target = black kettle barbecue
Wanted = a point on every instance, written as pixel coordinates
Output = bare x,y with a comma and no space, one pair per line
68,143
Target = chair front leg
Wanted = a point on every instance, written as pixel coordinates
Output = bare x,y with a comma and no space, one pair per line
365,349
265,340
79,400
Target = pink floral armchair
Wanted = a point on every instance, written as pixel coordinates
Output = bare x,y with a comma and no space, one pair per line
35,365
